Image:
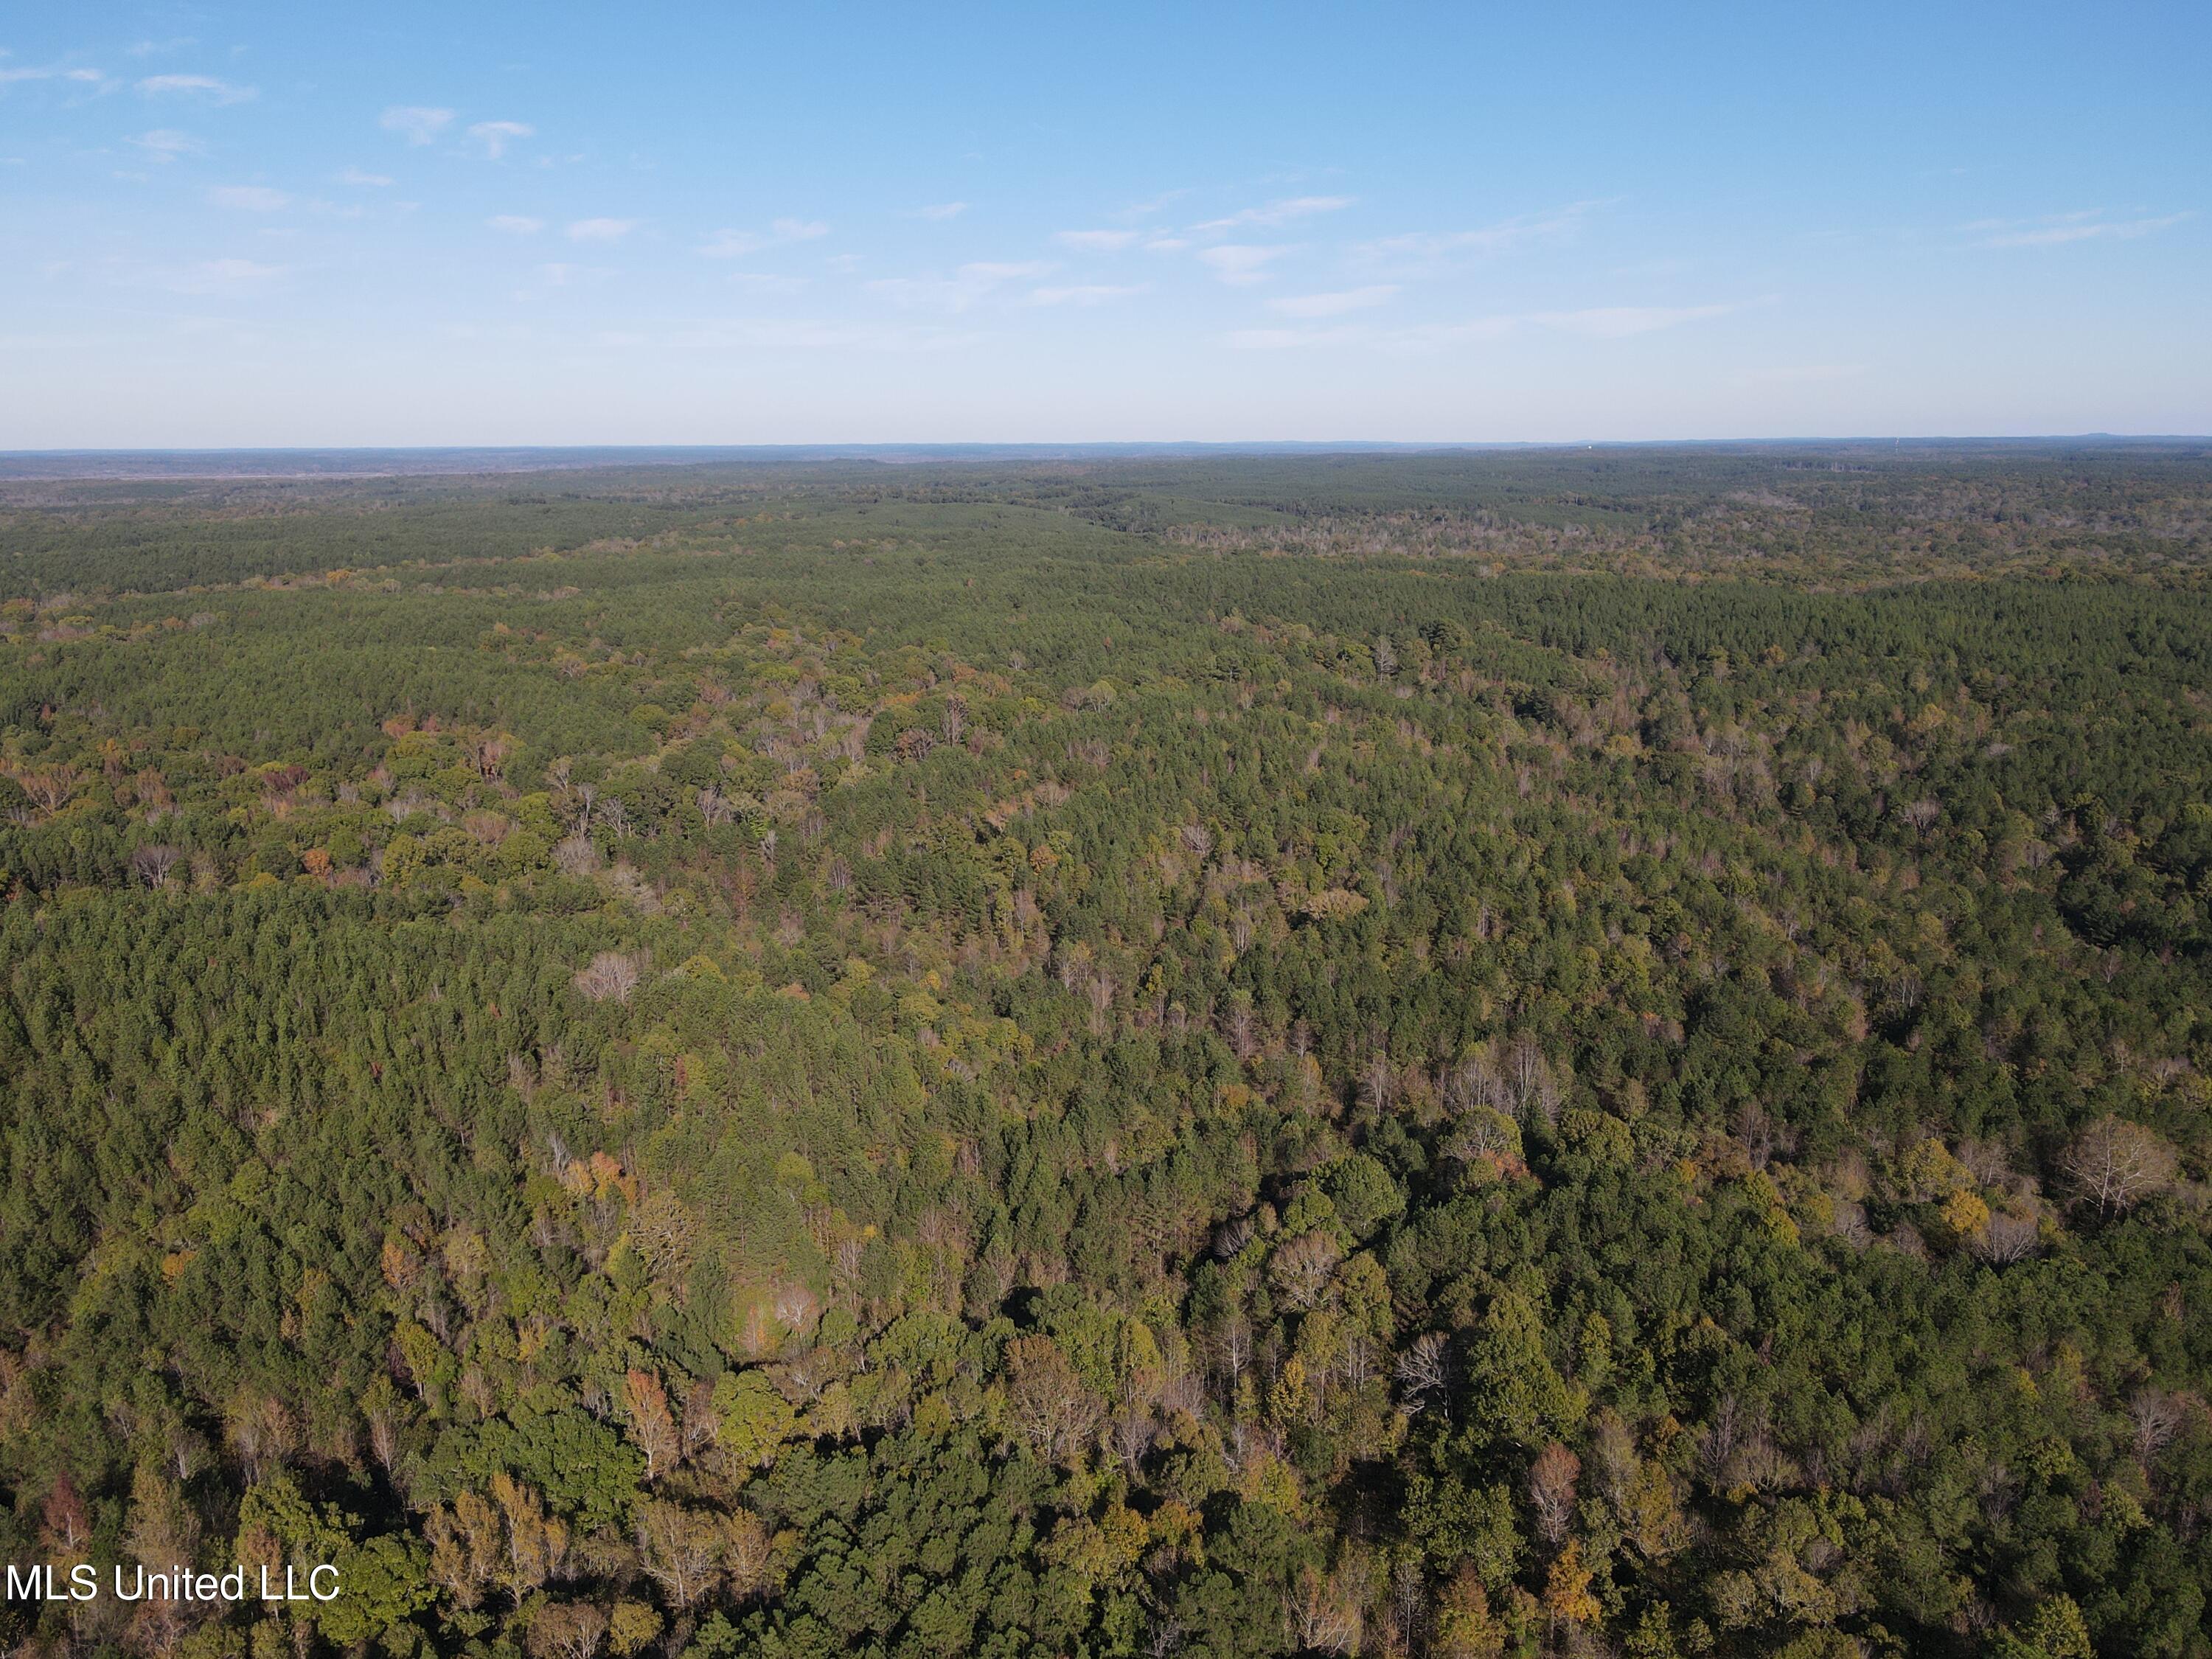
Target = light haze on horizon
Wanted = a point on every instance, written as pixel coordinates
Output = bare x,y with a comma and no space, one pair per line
225,225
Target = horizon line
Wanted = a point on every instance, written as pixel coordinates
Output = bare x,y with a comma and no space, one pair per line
880,446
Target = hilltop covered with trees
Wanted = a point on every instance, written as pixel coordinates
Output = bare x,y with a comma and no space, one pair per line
1568,1053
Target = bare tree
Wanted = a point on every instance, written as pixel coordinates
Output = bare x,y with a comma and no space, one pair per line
1304,1268
263,1434
1050,1407
2008,1238
611,975
152,865
1242,1027
1231,1237
845,1269
2158,1417
746,1550
1551,1480
566,1630
1475,1082
680,1549
795,1308
51,788
1378,1084
2116,1165
1235,1345
383,1437
488,752
652,1427
1484,1134
1551,1492
465,1542
1409,1601
1425,1368
1613,1461
1322,1617
1529,1075
1129,1433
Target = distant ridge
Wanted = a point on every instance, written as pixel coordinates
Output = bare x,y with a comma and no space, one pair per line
380,462
62,464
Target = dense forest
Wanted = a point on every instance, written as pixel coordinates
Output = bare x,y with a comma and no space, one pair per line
1585,1053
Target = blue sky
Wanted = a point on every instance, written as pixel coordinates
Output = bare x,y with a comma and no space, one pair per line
548,223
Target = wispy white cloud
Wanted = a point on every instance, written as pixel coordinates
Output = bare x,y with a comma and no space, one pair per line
416,123
1279,213
1290,339
1096,241
1601,322
165,144
1004,271
939,210
600,230
1427,250
1429,337
158,48
249,199
496,136
366,181
764,281
10,75
205,87
508,331
2059,229
515,224
1158,204
1088,293
222,277
969,284
800,334
1619,322
1334,304
1240,264
558,275
736,244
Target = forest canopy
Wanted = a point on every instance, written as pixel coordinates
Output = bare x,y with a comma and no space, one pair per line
1567,1052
